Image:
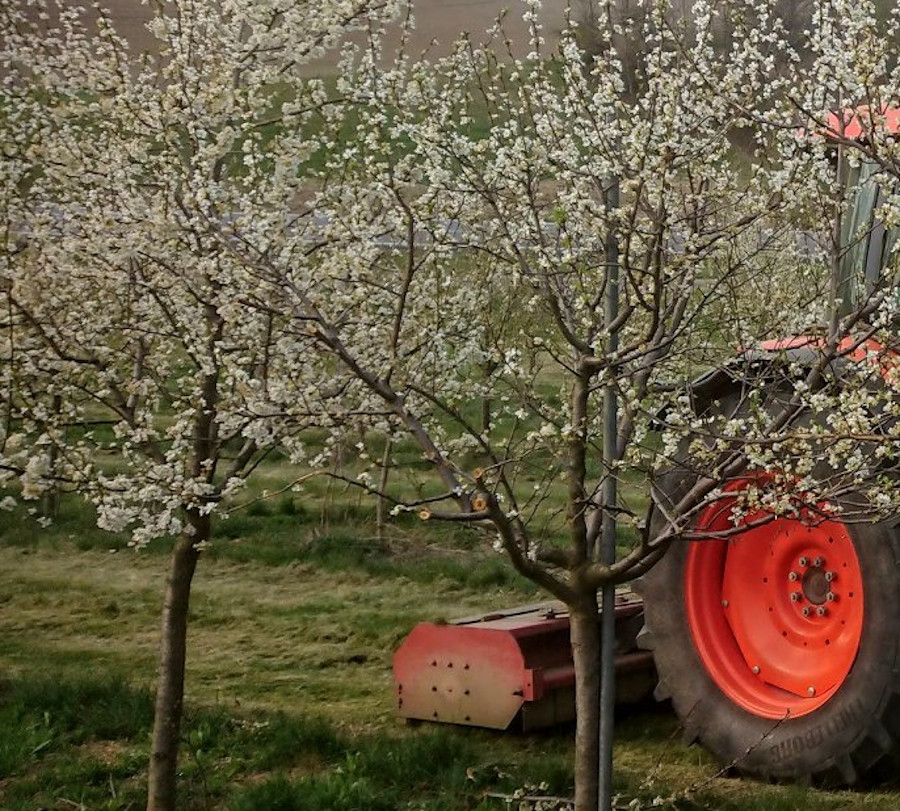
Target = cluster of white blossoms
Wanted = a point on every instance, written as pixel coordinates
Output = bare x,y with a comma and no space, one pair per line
209,252
142,364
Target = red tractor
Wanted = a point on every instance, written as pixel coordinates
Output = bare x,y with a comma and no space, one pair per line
777,641
778,646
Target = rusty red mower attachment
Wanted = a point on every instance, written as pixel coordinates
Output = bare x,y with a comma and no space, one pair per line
510,666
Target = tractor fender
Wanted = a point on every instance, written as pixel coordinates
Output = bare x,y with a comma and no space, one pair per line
764,361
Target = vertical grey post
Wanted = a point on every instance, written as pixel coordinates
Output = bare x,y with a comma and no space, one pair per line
608,528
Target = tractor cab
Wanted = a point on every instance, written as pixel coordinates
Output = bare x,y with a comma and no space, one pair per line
866,244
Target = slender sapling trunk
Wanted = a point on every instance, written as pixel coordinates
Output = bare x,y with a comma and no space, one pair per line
585,636
161,784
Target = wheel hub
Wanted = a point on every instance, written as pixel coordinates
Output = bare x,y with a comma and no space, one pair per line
815,586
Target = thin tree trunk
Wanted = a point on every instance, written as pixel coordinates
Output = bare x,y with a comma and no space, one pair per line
486,402
381,501
161,784
585,635
50,499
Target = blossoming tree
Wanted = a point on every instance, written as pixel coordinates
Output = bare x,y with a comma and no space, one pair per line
515,245
137,366
493,252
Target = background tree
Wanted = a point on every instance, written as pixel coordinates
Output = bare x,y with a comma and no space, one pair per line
137,369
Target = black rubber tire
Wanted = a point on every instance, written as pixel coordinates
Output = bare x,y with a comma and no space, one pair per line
835,744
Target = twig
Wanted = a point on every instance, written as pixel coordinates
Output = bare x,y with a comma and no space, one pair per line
686,793
271,493
527,798
648,780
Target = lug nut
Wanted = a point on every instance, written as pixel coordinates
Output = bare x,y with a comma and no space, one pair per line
804,561
805,611
818,562
793,577
829,576
830,597
796,596
821,611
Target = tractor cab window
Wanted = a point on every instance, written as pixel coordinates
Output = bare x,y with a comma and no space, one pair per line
867,245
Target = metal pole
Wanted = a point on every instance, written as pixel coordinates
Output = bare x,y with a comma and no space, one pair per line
608,525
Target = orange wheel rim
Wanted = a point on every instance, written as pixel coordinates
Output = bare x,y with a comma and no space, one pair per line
776,610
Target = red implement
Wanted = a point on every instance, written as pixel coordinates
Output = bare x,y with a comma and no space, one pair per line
512,665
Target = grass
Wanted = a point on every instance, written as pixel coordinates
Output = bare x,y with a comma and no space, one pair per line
289,701
80,742
289,697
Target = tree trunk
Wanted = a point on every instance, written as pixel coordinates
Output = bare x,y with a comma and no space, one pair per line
170,681
585,631
50,499
381,500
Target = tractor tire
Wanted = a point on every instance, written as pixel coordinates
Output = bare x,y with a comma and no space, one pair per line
780,647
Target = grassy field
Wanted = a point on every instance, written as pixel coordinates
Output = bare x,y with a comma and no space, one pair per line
289,693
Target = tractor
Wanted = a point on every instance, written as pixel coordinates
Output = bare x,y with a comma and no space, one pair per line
778,645
776,641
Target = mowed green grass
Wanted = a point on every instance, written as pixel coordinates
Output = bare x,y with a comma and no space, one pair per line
289,688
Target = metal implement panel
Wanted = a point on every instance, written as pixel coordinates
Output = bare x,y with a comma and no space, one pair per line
460,675
483,670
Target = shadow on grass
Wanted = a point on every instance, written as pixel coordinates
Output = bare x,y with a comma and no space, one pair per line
439,769
84,740
81,741
71,738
